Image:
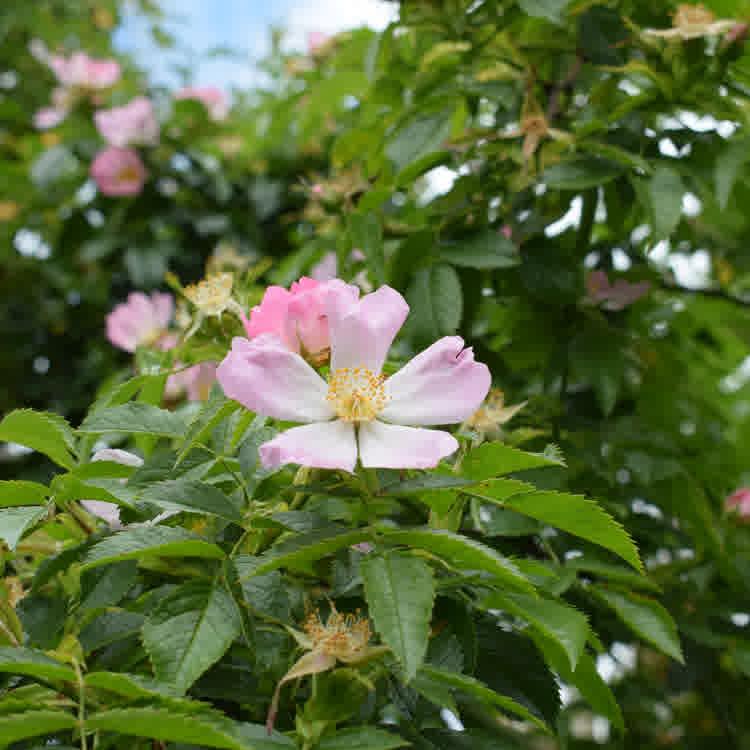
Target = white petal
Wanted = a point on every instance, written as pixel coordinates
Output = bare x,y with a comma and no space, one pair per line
325,445
387,446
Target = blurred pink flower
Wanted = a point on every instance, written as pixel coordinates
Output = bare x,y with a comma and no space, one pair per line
442,385
132,124
141,321
49,117
214,99
739,503
82,71
118,171
198,380
315,40
110,512
296,317
327,268
615,296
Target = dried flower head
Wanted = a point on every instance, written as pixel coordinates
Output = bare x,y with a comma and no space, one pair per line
692,22
492,414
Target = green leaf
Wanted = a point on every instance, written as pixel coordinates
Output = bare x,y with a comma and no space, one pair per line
420,136
14,522
462,552
33,663
601,34
130,685
424,483
366,234
191,496
105,586
645,617
615,573
145,541
729,164
43,431
476,689
16,492
207,728
580,174
216,409
575,514
189,632
552,10
136,418
436,302
108,627
494,459
558,621
22,724
487,250
361,738
665,192
400,593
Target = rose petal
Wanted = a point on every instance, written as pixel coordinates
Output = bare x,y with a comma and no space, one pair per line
325,445
441,385
362,334
126,458
109,512
387,446
267,378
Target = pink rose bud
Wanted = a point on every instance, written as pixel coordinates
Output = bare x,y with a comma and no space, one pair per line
135,123
140,321
213,99
118,171
739,503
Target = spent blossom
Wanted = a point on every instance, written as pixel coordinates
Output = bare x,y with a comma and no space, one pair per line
739,504
358,414
213,99
118,172
141,321
691,22
129,125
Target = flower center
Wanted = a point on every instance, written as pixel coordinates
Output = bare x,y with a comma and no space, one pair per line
357,395
128,174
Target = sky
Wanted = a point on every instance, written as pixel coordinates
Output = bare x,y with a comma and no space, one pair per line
242,25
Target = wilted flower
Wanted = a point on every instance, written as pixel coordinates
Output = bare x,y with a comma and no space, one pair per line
492,414
141,321
615,296
691,22
213,295
344,638
442,385
739,504
213,99
118,171
132,124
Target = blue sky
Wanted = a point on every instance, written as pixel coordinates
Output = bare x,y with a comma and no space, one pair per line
243,25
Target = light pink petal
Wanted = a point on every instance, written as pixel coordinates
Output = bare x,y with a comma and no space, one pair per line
109,512
441,385
388,446
362,335
118,456
271,316
326,269
267,378
49,117
162,305
324,445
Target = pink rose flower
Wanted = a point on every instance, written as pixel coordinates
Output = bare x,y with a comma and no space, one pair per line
615,296
132,124
315,40
140,321
739,503
359,414
85,72
214,99
118,171
110,512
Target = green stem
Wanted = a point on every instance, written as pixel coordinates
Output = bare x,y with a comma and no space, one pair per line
81,704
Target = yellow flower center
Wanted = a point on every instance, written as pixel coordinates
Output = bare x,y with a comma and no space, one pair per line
356,395
128,174
212,295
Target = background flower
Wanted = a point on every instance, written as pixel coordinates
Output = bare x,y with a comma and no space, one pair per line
140,321
131,124
118,172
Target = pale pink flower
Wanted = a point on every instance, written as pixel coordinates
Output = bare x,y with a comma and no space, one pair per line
141,321
615,296
315,40
214,99
296,316
739,503
132,124
326,269
82,71
110,512
198,380
49,117
118,171
359,414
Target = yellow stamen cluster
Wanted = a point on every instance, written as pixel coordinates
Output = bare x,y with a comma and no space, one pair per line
344,636
212,295
128,174
357,394
692,15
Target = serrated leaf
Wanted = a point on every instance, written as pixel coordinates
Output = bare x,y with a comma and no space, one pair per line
109,627
135,418
189,632
644,616
495,459
144,541
361,738
487,250
462,552
43,431
426,482
436,302
207,728
366,234
14,522
400,593
729,164
418,137
33,663
614,573
665,191
104,586
470,686
23,724
16,492
580,174
130,685
191,496
214,411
